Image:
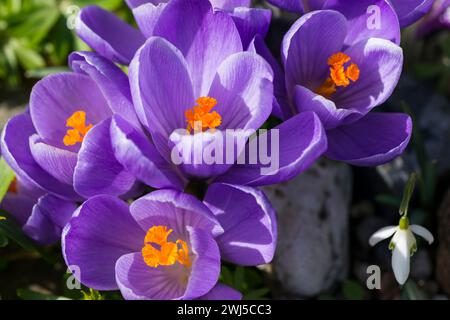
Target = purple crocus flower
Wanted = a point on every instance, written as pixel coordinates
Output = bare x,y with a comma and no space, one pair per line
42,144
342,78
408,11
95,25
437,19
41,215
192,61
167,244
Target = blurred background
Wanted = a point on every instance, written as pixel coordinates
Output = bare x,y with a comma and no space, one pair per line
326,215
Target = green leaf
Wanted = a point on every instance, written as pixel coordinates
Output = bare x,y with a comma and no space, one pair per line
412,292
27,294
6,178
388,200
239,278
352,290
3,241
407,194
43,72
29,58
92,295
257,294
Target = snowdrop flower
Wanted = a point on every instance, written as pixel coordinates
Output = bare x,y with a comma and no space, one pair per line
403,245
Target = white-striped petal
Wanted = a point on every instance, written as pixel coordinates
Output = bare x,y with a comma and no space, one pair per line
424,233
401,256
382,234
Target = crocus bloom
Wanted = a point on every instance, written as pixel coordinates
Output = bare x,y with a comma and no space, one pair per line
342,77
196,68
41,215
167,244
403,245
42,144
437,19
118,41
408,11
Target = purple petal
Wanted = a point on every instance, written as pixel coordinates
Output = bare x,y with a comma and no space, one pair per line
306,65
368,19
110,79
18,205
48,218
147,16
175,210
58,162
251,22
229,5
139,156
289,5
205,39
380,63
375,139
57,97
302,141
97,170
222,292
244,91
206,265
162,87
248,220
100,232
136,3
108,35
409,11
138,281
16,152
326,110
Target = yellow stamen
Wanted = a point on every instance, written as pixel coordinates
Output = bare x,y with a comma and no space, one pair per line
158,251
200,117
77,121
340,75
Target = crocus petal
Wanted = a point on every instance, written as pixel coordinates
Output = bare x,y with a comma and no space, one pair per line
368,19
175,210
19,206
97,170
58,162
222,292
57,97
280,105
206,265
302,141
382,234
409,11
424,233
229,5
306,65
326,110
147,16
16,152
140,157
290,5
244,91
380,63
100,232
138,281
136,3
110,79
161,86
48,218
251,22
249,223
401,257
375,139
205,39
108,35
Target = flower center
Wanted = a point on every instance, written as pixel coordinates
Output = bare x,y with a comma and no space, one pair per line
200,117
157,251
77,121
404,223
340,74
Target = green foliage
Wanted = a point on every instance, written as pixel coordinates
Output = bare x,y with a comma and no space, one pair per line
92,295
352,290
412,292
248,281
27,294
6,177
35,37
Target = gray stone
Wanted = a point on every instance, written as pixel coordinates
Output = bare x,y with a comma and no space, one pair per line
313,229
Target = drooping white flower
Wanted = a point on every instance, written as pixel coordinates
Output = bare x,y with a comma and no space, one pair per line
403,245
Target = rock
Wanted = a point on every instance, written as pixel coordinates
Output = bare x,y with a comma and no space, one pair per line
313,229
443,251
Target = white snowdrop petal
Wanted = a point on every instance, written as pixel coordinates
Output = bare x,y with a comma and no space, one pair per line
401,257
382,234
424,233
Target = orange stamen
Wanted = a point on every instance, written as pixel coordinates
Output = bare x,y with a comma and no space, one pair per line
200,117
13,186
158,251
77,121
340,76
